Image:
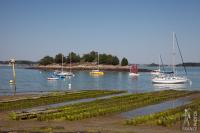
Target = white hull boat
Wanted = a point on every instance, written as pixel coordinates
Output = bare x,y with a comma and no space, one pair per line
170,80
64,74
53,78
167,78
156,72
134,74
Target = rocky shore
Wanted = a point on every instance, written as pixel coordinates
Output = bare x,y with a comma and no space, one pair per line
87,67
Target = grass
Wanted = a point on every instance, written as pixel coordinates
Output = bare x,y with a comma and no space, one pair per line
101,107
165,118
54,98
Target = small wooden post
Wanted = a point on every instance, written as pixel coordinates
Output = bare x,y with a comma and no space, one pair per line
12,61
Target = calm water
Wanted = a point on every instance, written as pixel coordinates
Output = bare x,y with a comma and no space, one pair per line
156,108
30,81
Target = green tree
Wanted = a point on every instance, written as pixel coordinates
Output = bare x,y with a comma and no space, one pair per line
124,62
115,60
90,57
108,59
47,60
102,59
58,58
74,58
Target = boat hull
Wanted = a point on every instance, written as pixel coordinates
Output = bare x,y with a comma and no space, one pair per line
64,74
173,80
55,78
134,74
96,73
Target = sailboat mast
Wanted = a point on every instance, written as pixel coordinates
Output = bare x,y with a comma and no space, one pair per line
70,61
173,53
181,55
162,63
62,63
98,60
159,64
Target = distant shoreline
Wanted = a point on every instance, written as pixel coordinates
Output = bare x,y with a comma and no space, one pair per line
88,67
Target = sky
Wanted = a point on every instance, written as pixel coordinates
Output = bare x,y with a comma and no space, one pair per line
139,30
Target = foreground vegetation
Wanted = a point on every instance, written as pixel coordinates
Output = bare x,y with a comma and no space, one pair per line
54,98
101,107
165,118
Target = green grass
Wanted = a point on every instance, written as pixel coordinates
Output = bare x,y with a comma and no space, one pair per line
54,98
102,107
165,118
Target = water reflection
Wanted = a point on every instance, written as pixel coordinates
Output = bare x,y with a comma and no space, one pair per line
170,86
134,77
13,88
156,108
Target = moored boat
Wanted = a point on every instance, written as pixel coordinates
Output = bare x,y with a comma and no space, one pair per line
134,70
172,77
97,72
52,78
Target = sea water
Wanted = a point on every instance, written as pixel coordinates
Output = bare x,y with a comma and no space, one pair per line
35,81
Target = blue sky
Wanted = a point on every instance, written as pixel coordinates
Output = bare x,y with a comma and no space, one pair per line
140,30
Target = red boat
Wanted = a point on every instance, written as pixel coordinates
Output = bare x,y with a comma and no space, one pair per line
134,70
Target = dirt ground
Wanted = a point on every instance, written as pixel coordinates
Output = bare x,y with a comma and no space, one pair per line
105,124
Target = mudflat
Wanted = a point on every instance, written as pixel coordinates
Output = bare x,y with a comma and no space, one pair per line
112,123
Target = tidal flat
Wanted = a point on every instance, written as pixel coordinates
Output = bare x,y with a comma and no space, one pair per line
98,115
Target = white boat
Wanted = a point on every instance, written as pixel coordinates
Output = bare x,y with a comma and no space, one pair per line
64,74
171,78
133,70
97,72
69,74
52,78
156,72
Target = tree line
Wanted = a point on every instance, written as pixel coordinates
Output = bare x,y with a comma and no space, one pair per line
106,59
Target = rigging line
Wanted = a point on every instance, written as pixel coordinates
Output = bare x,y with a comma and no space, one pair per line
162,63
181,55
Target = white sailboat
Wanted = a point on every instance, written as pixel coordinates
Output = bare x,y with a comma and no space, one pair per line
70,67
171,78
97,72
157,71
64,74
61,74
